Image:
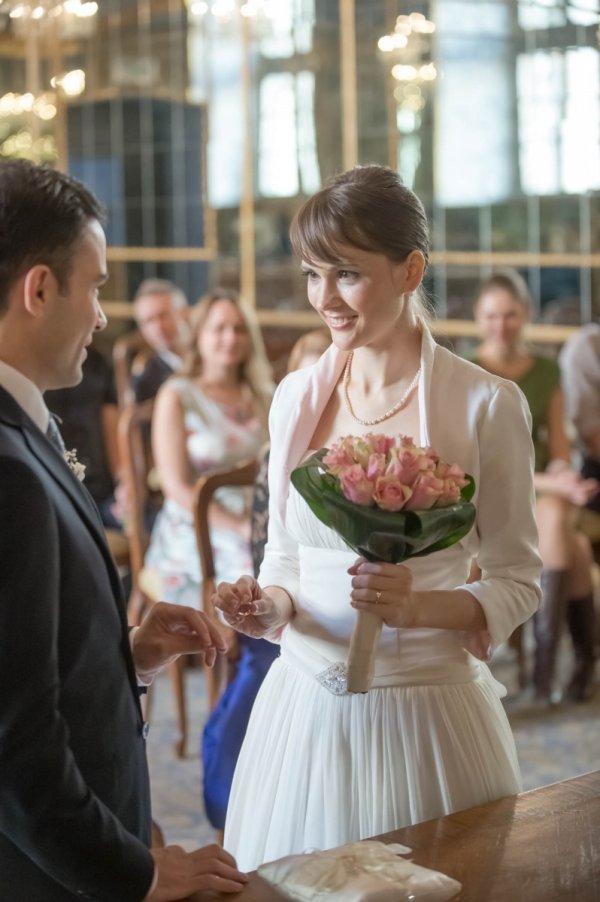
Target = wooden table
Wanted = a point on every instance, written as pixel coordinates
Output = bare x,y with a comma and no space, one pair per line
539,846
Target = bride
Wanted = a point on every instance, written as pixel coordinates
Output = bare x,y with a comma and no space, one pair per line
318,769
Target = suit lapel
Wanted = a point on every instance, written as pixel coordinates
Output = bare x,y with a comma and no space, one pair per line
54,464
51,459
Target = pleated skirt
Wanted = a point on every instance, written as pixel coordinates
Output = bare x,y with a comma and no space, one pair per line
318,770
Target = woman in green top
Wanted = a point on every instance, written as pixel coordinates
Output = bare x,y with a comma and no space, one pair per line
502,309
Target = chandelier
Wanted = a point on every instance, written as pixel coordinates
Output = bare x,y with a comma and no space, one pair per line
225,11
26,128
73,18
408,48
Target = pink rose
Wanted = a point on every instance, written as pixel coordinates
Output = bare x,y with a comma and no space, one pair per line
433,456
337,458
355,485
375,466
444,470
379,444
406,463
426,490
390,494
450,493
361,450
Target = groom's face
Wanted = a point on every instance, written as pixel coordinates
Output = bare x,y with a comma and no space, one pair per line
75,312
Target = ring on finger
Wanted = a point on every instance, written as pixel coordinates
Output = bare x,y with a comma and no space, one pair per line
377,596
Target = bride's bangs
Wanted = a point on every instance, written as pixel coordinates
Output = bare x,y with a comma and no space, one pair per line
319,231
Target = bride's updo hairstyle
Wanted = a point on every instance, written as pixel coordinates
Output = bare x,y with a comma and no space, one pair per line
367,207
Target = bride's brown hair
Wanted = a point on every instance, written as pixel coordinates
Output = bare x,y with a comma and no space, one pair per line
367,207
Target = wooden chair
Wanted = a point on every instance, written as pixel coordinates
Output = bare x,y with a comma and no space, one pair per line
216,677
125,349
134,445
243,474
516,641
119,546
136,454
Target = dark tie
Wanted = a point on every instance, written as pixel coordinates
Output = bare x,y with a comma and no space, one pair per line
53,434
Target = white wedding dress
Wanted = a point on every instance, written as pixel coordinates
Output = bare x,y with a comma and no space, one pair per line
317,769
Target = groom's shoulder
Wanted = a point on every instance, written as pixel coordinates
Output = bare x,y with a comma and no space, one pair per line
13,420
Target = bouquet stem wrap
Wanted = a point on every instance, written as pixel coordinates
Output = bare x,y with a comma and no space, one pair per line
379,534
361,656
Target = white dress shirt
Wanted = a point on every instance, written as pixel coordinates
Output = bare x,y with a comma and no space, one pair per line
26,394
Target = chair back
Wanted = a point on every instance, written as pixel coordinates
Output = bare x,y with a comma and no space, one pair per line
134,433
125,350
242,474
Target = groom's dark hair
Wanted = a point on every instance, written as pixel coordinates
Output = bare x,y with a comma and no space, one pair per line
42,215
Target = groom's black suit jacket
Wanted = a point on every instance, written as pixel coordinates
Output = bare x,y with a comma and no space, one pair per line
74,797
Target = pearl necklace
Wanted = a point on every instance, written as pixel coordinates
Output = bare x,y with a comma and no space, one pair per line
389,413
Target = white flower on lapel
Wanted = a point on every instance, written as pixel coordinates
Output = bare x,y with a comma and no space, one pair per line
77,467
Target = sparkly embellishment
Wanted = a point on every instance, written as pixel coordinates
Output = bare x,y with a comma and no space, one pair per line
334,679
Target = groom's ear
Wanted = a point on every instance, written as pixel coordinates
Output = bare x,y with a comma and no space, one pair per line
39,290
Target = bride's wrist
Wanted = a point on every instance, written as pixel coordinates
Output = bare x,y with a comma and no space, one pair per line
283,609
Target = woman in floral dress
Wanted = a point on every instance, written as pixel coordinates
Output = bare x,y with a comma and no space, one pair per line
212,414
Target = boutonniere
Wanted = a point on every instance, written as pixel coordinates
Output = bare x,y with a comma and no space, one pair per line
76,466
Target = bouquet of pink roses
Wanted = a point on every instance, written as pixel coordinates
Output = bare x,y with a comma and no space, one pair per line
389,500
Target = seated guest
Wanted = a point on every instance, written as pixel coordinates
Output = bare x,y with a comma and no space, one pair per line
580,366
502,309
161,311
226,727
212,414
88,423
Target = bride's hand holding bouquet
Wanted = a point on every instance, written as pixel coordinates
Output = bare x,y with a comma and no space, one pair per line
386,591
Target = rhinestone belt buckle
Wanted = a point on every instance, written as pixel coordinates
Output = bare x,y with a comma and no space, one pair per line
334,679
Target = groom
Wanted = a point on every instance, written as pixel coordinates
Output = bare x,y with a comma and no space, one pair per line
74,796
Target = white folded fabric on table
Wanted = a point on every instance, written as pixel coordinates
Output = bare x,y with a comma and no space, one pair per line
367,871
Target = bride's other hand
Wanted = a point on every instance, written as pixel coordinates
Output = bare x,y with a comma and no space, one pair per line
384,590
247,608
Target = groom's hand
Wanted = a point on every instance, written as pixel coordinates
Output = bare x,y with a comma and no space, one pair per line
171,630
180,873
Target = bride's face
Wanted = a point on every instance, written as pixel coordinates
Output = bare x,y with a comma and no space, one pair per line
362,297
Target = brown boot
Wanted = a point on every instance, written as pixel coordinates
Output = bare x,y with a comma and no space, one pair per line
547,625
581,621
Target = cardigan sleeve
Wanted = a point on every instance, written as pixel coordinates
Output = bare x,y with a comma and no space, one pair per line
508,590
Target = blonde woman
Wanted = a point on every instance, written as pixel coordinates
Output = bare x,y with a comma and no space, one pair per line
213,413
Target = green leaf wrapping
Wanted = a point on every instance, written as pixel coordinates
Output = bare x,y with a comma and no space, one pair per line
376,534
